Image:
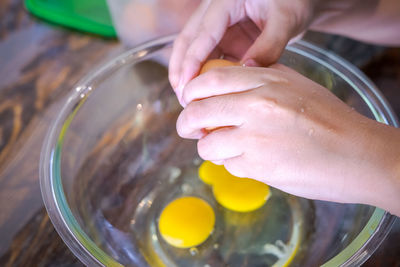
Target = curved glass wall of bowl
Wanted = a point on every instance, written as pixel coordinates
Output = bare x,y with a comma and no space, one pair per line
113,160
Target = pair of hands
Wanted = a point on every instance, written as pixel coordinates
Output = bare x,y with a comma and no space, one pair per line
272,124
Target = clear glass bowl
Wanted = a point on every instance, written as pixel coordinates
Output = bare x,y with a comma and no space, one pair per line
112,160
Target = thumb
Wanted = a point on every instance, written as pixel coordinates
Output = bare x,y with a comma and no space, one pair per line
269,45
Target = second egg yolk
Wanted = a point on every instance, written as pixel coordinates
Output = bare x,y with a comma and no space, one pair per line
210,173
186,222
231,192
241,194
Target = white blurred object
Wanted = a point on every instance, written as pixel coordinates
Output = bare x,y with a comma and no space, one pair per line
138,21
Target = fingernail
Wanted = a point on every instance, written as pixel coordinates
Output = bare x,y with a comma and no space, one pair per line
250,63
173,80
180,82
179,94
182,102
179,88
174,84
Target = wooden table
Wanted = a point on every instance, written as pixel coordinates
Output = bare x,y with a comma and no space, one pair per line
39,64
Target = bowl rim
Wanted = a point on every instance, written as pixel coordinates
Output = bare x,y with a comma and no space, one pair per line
357,252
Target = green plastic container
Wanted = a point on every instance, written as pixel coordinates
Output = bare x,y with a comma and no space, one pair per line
84,15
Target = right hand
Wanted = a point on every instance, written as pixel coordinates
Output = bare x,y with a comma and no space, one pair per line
253,31
276,126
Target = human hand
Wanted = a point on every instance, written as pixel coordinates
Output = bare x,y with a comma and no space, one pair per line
253,31
276,126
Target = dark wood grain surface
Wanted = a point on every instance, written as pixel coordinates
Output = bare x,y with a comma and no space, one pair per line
39,63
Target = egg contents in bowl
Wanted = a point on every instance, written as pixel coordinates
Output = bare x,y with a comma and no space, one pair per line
186,222
211,173
231,192
241,194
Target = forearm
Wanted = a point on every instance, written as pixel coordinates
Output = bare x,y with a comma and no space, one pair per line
374,21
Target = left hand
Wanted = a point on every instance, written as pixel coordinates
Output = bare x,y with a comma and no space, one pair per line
254,32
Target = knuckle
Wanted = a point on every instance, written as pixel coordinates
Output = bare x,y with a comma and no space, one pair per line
192,113
181,40
181,127
190,117
260,104
215,77
208,35
193,54
188,95
290,112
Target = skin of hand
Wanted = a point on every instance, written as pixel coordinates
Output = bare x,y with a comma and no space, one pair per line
259,30
276,126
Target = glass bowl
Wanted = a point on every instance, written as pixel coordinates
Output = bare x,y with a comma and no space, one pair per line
112,160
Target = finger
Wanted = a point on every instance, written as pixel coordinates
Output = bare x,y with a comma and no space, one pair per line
220,144
237,166
213,112
235,42
296,38
182,42
226,80
217,162
214,24
270,44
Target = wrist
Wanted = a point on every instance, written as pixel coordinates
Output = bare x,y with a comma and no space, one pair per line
385,191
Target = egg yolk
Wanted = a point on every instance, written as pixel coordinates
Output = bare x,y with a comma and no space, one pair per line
210,173
231,192
241,194
186,222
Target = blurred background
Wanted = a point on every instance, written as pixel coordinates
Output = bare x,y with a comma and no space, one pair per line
47,46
